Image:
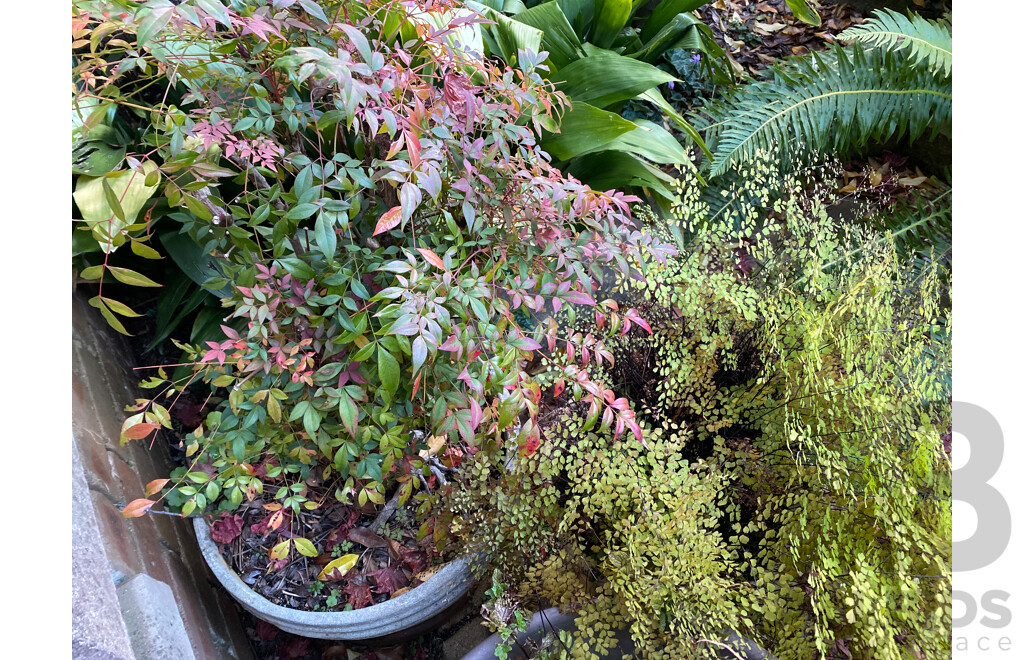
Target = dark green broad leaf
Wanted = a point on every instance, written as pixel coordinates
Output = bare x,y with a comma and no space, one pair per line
610,16
605,78
655,97
507,36
664,12
199,266
95,158
650,141
559,40
616,169
680,32
584,128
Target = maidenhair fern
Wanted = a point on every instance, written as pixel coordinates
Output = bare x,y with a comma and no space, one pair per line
924,41
837,100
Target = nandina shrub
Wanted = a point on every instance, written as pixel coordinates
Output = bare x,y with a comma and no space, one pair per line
392,240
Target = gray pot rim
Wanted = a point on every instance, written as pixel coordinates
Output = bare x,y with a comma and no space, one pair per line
392,617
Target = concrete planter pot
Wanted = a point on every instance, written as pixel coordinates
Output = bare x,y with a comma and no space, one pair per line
390,622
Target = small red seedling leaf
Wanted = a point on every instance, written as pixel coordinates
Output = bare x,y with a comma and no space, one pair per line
137,508
389,220
155,486
432,258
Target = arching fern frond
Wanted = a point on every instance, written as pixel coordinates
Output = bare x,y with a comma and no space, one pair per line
922,228
831,102
921,40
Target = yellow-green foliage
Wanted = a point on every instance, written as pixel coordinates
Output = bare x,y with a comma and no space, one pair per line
793,395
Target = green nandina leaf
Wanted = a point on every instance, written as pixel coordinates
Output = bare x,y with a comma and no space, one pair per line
301,211
605,78
326,240
388,370
130,277
119,308
144,251
583,129
305,547
419,353
109,316
311,418
215,9
152,17
804,12
349,413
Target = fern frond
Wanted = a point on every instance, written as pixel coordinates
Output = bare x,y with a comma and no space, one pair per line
829,102
922,228
923,41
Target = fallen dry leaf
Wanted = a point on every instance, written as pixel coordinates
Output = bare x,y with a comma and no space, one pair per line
913,182
768,28
363,536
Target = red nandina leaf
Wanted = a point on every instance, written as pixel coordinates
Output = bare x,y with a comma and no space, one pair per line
137,508
432,257
389,579
532,443
389,220
359,595
559,386
226,529
140,431
155,486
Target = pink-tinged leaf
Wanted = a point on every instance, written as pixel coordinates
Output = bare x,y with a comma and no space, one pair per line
600,318
475,414
414,149
635,428
578,298
396,146
432,258
619,425
137,508
527,344
389,220
229,332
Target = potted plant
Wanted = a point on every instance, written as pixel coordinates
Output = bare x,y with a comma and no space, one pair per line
370,199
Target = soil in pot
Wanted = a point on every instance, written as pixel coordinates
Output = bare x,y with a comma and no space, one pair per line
355,557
